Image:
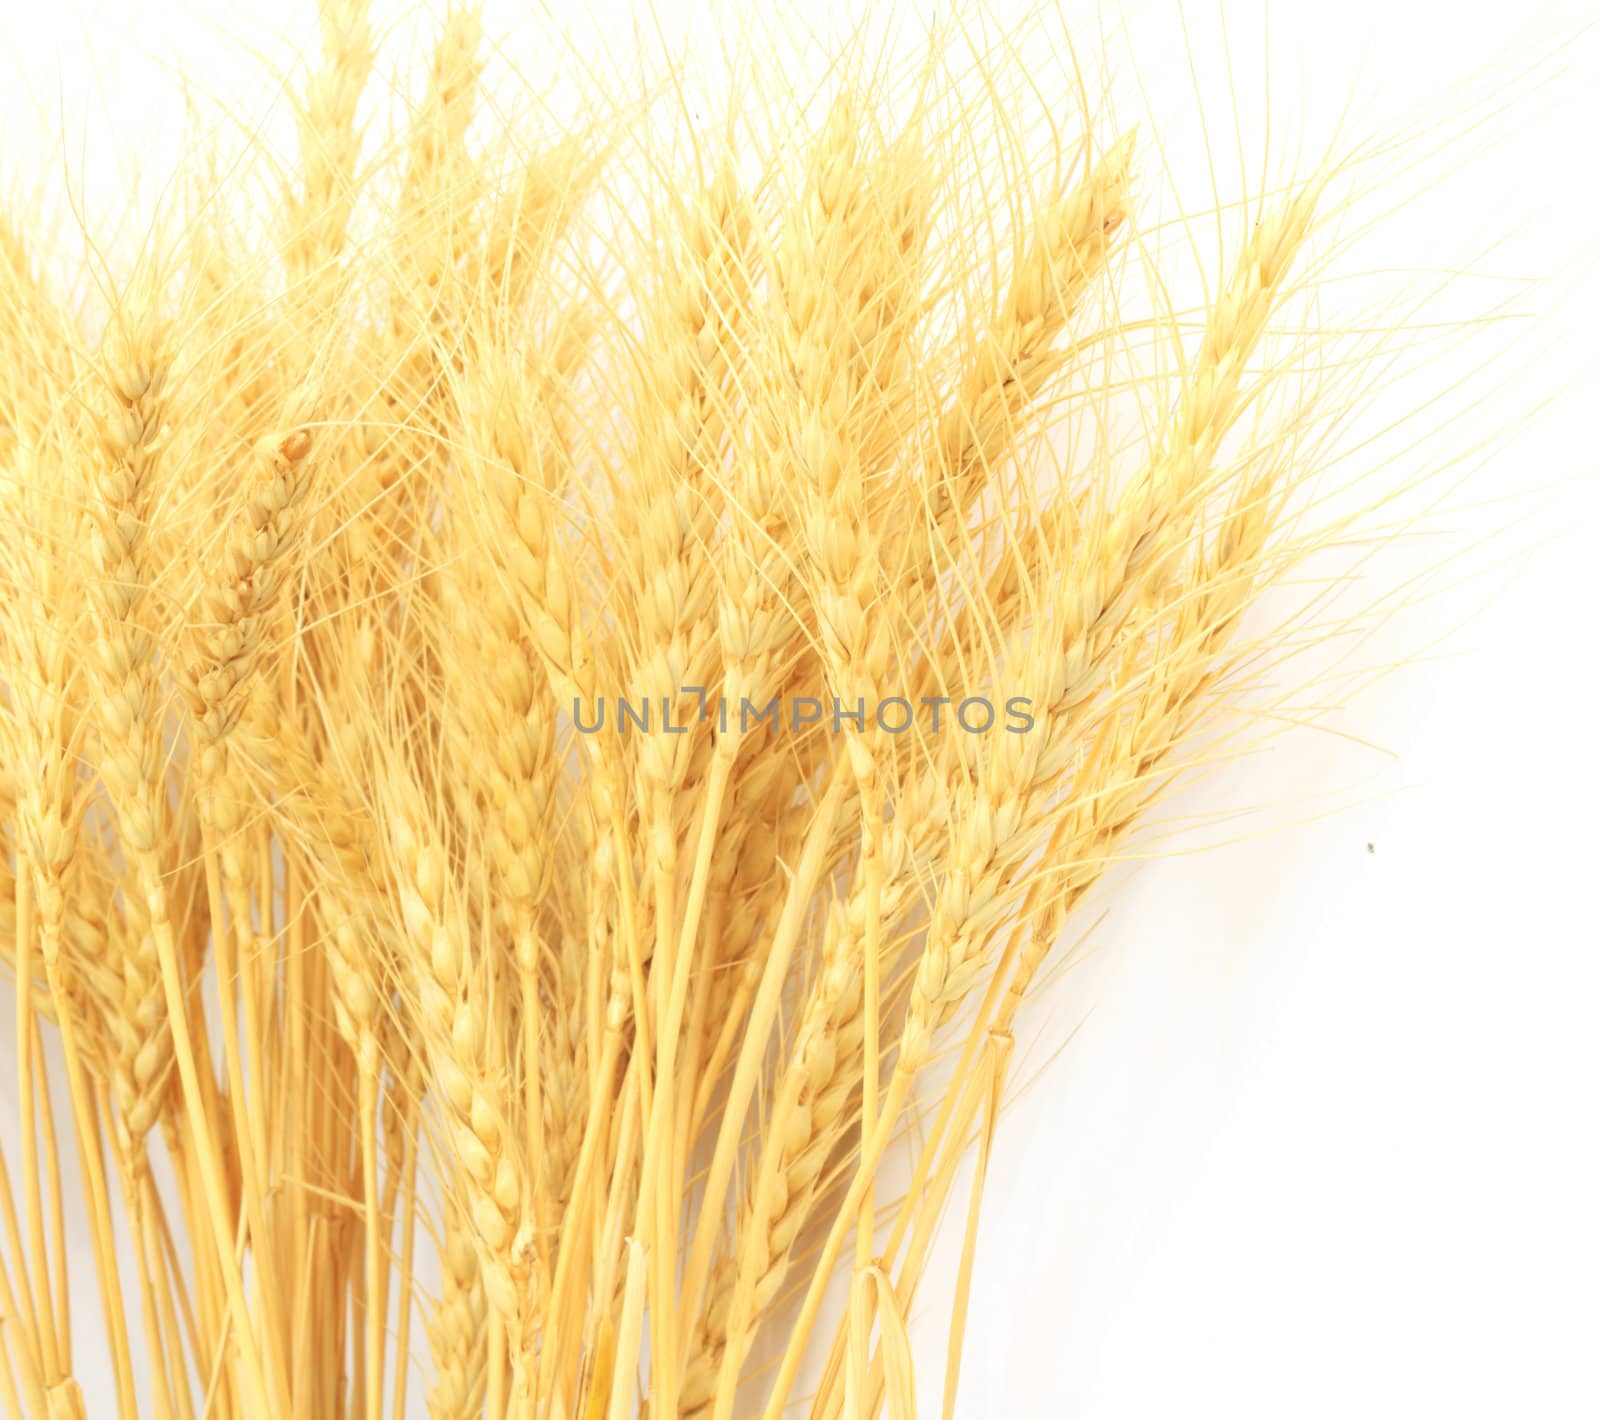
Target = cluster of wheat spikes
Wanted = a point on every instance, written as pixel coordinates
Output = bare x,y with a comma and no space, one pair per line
422,1043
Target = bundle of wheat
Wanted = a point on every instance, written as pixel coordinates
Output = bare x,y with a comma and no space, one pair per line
543,682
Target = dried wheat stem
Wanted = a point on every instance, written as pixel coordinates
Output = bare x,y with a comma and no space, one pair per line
128,708
452,1015
228,640
1015,355
681,422
330,144
458,1330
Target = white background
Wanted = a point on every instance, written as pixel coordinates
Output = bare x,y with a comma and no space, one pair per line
1323,1141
